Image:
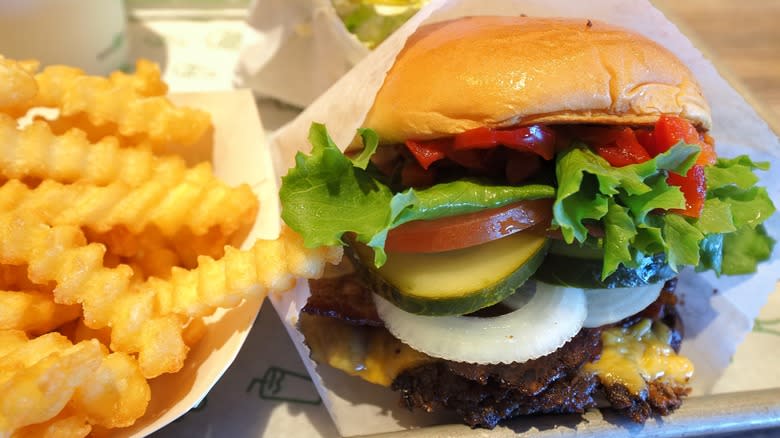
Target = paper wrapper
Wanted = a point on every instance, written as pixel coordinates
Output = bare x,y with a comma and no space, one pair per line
239,155
717,312
294,50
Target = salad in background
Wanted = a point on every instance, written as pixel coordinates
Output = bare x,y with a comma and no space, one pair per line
371,21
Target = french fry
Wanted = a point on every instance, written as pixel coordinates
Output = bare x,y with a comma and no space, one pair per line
17,86
149,318
268,267
197,202
13,277
113,245
63,425
33,312
49,372
115,395
62,124
133,104
61,254
78,331
146,80
36,153
45,384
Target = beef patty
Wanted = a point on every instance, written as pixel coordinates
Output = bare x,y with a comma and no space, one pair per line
484,395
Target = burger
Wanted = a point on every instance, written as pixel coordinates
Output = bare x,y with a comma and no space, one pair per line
515,210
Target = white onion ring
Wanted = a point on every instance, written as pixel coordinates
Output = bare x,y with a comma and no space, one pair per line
552,316
606,306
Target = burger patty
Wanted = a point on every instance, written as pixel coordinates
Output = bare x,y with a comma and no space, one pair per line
484,395
346,298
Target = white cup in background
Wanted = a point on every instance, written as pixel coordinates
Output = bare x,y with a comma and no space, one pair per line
89,34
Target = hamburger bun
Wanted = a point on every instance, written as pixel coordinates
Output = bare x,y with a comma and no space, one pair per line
505,71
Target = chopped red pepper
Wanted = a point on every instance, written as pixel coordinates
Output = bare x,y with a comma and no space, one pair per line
707,155
694,187
428,152
646,138
621,148
669,130
536,139
462,148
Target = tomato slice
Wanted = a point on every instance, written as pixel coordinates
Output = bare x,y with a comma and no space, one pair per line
456,232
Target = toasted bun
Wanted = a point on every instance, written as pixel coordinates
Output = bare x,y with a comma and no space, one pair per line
505,71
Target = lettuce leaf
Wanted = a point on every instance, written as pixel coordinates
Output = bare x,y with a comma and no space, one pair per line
744,249
579,200
327,195
735,210
626,200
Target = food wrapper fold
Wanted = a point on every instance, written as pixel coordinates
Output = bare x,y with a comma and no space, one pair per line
717,312
293,50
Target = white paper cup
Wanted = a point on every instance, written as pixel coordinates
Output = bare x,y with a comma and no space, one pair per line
89,34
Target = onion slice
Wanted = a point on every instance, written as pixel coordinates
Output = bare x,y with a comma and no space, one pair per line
539,326
606,306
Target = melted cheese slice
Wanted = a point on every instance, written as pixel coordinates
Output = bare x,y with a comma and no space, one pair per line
370,353
633,356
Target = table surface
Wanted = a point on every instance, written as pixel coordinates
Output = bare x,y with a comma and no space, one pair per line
743,40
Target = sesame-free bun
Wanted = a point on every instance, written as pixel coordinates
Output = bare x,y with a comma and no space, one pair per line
506,71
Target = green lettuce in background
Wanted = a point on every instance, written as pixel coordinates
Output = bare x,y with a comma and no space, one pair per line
371,21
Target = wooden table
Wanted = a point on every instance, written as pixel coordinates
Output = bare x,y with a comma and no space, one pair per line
742,38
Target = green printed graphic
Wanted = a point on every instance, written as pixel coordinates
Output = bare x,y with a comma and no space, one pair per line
768,326
284,385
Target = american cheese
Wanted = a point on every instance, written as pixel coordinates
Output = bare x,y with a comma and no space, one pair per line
633,356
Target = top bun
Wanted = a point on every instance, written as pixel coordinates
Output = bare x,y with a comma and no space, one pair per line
506,71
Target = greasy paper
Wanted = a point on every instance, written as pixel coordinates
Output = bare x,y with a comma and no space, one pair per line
717,312
239,155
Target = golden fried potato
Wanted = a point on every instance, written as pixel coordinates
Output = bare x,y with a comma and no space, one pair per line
61,255
115,395
14,277
78,331
146,80
118,245
34,152
164,202
34,312
17,85
49,373
63,425
45,385
134,104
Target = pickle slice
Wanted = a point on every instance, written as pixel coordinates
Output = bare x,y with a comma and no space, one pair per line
456,282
